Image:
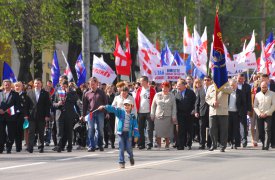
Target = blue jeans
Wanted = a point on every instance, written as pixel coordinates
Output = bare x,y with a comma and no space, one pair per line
96,124
125,143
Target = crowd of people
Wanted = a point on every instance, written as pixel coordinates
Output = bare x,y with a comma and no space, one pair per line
90,116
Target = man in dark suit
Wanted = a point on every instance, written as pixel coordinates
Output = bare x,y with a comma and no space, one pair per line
236,110
64,103
185,100
9,106
39,113
246,89
202,112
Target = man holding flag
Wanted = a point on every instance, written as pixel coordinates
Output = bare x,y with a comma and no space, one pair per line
217,94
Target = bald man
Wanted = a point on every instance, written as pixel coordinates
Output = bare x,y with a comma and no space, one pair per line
264,106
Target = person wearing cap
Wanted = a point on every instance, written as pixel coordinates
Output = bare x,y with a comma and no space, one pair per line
163,112
127,127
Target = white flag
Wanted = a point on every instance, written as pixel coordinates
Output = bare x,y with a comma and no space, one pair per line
102,71
67,71
187,39
148,55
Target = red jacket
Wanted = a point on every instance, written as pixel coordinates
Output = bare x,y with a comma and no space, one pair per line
152,94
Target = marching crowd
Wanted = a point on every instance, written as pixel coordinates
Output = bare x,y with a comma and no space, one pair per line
139,113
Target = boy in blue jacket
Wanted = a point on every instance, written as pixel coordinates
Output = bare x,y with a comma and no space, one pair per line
126,128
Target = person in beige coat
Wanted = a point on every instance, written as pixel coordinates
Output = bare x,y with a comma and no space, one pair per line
218,115
264,106
163,112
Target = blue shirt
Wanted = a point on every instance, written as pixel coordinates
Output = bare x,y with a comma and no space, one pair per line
183,93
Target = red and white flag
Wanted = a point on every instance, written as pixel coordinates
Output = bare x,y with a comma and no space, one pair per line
127,44
123,64
262,63
187,39
67,71
11,111
148,55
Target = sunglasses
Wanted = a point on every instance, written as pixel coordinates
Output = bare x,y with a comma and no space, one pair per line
207,80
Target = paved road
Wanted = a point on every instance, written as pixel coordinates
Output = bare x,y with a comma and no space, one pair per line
248,163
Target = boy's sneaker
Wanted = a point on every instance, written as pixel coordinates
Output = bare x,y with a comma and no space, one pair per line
132,161
122,165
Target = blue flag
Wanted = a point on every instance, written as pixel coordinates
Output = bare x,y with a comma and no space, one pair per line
188,65
269,39
8,73
197,73
80,71
219,71
55,71
178,59
166,56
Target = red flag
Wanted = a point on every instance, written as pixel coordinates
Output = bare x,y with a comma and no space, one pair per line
219,71
123,65
127,44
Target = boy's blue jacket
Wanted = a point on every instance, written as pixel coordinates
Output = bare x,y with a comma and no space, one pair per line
120,113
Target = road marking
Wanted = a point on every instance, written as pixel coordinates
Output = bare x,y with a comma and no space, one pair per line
77,157
153,163
23,165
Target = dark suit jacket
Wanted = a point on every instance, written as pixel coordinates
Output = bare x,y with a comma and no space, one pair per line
187,104
25,104
201,106
246,89
40,109
12,100
240,102
68,107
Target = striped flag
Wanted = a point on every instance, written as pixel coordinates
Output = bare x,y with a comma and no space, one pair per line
89,117
11,111
80,71
67,71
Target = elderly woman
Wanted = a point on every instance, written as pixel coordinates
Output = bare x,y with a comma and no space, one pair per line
163,112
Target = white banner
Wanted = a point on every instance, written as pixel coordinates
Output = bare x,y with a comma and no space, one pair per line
102,71
169,73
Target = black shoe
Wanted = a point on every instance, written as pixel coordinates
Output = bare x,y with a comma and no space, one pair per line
55,149
202,147
132,161
18,150
222,150
141,147
41,150
189,148
266,148
101,149
58,150
244,145
149,148
9,152
113,147
106,146
180,148
91,149
212,149
30,150
69,150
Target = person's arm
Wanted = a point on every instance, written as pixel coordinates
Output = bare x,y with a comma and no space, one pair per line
210,98
256,106
153,108
270,111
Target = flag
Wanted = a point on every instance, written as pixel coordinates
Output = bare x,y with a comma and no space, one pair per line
187,39
8,73
11,111
67,71
123,64
199,51
88,117
188,65
158,45
80,71
55,71
178,59
102,71
128,50
26,123
148,55
262,63
247,51
61,93
270,54
219,65
167,57
197,73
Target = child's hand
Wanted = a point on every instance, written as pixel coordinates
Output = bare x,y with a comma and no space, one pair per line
135,139
101,107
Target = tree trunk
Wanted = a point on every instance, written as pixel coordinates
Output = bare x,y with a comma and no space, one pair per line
25,57
37,60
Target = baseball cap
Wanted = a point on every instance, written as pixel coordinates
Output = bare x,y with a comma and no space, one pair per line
127,101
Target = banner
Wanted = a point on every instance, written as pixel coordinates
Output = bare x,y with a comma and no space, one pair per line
169,73
102,71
